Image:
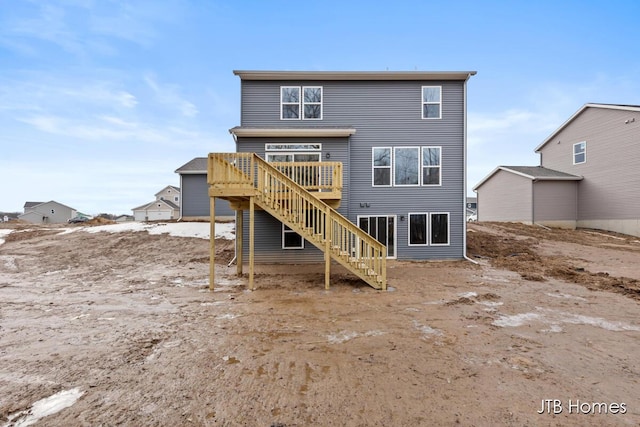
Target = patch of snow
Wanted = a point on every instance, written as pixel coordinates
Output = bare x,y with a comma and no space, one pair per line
9,262
45,407
558,295
341,337
555,318
178,229
555,328
426,330
578,319
491,303
516,319
468,295
3,234
228,316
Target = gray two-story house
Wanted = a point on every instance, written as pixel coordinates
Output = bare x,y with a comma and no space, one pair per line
588,175
398,143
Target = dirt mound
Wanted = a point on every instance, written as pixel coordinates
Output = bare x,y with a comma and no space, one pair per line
515,247
99,221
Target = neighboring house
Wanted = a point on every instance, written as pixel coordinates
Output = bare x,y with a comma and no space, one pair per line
588,176
165,207
194,200
400,139
50,212
472,208
124,218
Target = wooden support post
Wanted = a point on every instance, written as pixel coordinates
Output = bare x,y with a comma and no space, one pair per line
384,269
239,237
212,242
327,248
251,239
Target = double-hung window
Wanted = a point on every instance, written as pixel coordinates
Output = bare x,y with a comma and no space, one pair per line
579,153
301,102
381,160
428,229
431,102
406,166
431,165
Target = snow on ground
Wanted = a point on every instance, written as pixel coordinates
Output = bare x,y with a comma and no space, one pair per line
554,317
201,230
4,233
45,407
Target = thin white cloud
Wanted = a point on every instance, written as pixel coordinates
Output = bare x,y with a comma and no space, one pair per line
169,95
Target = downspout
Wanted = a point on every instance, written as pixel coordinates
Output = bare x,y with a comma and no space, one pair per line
464,189
533,201
181,188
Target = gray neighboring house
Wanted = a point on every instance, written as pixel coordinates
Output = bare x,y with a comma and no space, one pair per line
50,212
194,203
588,175
401,137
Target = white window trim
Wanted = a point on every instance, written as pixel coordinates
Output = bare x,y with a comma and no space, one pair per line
312,103
291,153
299,103
290,231
430,228
423,103
373,167
427,235
583,152
422,166
395,232
393,167
288,147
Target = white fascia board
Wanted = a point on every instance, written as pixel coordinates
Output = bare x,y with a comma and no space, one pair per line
292,132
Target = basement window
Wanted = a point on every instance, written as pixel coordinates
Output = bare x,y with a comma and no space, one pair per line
291,239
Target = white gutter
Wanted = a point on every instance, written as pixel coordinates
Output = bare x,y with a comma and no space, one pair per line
464,198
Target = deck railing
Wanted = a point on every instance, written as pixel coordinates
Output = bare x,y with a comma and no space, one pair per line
292,203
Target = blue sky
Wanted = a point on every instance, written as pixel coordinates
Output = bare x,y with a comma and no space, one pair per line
100,101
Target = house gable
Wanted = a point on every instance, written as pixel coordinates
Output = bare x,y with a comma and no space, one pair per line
47,212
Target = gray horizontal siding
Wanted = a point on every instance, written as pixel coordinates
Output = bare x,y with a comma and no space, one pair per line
505,197
555,200
268,242
195,198
384,113
610,189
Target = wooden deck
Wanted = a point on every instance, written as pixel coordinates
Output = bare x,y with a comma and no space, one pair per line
304,197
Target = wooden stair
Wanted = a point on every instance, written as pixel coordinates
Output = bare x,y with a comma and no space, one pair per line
242,176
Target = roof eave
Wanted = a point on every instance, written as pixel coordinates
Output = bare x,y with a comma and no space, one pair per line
292,132
353,75
577,113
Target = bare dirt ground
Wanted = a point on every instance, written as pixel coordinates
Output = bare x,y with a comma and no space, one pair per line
127,321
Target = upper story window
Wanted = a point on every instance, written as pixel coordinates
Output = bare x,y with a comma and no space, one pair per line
301,102
431,165
431,102
381,166
406,170
579,153
406,166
